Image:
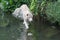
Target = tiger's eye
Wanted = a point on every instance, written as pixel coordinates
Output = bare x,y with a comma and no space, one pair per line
27,14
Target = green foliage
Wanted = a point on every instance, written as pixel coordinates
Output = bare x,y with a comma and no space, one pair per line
33,6
11,5
53,11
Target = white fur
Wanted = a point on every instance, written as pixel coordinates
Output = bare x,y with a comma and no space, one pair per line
22,12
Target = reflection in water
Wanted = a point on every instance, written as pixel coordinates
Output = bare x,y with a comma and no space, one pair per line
16,31
13,31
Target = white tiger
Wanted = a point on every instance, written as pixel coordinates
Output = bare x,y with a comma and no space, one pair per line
24,13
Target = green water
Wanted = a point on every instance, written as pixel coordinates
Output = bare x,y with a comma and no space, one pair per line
40,32
9,33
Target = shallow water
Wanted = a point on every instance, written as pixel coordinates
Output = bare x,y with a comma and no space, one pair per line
16,31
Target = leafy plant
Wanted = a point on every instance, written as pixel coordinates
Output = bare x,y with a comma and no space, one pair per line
53,11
